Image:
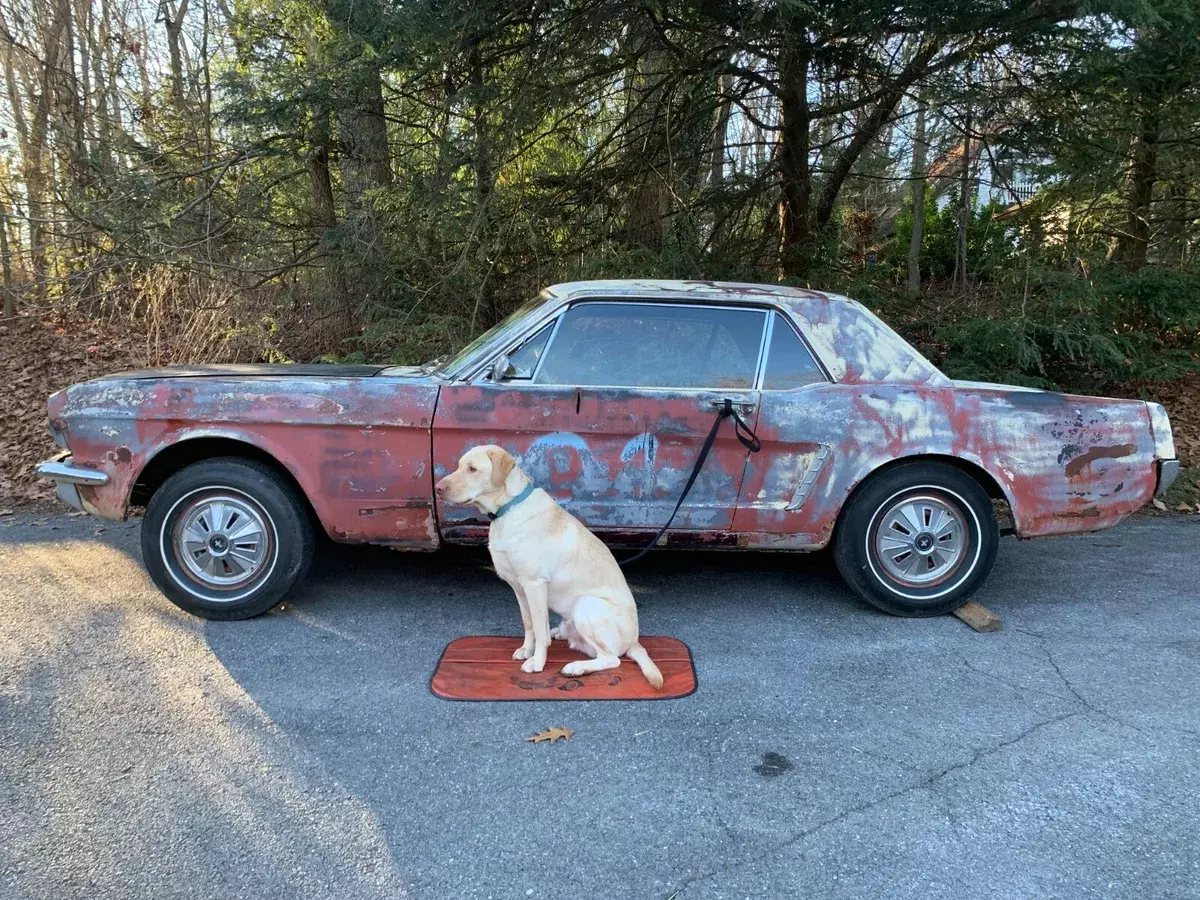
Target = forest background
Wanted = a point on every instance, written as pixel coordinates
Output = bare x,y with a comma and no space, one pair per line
1013,186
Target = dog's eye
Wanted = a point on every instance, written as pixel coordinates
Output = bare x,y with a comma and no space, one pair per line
472,469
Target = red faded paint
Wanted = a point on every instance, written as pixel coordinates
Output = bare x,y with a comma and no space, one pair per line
366,450
358,447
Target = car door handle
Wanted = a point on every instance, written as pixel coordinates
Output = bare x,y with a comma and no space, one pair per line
742,406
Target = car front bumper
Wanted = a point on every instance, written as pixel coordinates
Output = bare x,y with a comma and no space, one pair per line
1168,471
67,478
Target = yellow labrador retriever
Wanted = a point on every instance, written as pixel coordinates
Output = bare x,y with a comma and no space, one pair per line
552,563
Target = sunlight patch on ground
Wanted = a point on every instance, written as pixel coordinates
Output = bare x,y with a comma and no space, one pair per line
132,711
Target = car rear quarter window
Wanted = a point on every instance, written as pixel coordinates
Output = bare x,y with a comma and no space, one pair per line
789,363
655,345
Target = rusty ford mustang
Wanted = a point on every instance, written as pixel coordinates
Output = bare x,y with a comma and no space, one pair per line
606,392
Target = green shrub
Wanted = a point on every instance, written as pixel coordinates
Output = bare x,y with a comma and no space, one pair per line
1050,328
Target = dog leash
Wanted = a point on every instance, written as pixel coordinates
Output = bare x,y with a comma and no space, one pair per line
743,432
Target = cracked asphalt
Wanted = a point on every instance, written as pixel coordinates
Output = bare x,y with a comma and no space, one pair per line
830,751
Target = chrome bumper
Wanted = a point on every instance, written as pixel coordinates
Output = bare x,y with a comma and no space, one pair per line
1168,471
67,477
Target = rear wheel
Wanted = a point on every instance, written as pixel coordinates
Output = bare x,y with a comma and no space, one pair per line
226,538
917,539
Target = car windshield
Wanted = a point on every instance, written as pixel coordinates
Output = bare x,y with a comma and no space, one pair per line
458,359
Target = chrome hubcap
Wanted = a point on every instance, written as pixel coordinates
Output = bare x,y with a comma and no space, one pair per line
920,540
222,541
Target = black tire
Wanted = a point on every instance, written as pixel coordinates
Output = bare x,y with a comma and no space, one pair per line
884,506
253,499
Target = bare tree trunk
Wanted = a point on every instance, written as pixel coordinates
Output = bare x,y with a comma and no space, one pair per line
364,164
803,219
868,130
10,294
100,38
920,148
319,143
716,168
33,127
443,168
649,202
173,22
724,113
966,194
1134,242
324,212
795,174
147,105
115,122
362,144
964,216
83,31
69,103
479,127
484,178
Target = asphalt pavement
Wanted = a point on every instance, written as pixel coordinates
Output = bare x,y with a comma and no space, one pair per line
830,750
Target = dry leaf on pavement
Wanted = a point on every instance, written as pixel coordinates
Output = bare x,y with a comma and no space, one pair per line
551,735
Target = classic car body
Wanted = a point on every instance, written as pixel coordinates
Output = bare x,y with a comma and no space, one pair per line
365,444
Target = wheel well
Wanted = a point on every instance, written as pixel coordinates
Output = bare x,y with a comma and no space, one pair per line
980,474
171,459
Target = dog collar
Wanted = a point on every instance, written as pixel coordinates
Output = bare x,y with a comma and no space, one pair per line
505,507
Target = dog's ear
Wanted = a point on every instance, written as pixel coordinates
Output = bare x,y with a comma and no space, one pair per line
502,464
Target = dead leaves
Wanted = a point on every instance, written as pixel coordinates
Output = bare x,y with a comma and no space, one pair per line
551,735
37,358
1182,401
1181,398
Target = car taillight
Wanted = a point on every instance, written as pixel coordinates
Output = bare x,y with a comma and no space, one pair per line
1160,427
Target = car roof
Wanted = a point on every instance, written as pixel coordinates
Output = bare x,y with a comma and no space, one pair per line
854,344
728,291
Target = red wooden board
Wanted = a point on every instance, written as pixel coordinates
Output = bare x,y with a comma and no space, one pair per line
482,668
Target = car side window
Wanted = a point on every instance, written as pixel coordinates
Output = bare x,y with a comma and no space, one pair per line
615,344
789,363
524,359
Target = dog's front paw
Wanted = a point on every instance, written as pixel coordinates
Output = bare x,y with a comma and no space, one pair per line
523,652
572,669
533,665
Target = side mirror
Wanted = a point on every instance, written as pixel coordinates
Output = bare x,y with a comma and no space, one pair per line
502,369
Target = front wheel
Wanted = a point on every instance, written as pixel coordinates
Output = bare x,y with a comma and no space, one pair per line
226,538
917,539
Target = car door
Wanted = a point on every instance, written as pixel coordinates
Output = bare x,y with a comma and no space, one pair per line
607,407
798,411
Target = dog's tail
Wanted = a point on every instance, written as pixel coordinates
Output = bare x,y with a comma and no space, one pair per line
639,655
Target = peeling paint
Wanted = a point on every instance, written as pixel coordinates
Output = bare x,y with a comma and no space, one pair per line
343,439
366,448
1079,463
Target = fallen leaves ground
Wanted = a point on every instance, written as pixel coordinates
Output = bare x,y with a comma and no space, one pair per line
38,357
1182,401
